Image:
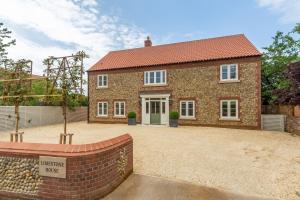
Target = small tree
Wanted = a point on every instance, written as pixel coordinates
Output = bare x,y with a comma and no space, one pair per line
65,77
291,94
16,84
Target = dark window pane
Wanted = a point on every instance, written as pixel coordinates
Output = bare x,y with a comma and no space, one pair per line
122,109
183,108
190,109
224,72
233,72
233,109
151,77
190,114
117,109
224,109
105,81
147,107
100,108
146,77
99,80
163,104
158,78
157,109
152,107
104,108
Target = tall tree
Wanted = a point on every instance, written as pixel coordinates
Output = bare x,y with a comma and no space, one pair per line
284,49
5,42
291,94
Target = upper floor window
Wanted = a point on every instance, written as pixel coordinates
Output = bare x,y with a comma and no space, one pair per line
102,81
119,109
187,109
155,77
229,72
102,109
229,109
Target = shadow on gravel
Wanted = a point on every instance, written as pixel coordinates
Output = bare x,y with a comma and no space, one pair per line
142,187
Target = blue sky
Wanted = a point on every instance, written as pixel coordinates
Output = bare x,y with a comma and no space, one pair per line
45,27
187,20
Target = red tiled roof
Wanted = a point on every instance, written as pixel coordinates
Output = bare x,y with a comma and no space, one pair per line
234,46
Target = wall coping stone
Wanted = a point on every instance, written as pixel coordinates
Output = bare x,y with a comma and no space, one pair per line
65,150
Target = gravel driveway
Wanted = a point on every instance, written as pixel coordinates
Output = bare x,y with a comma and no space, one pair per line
258,163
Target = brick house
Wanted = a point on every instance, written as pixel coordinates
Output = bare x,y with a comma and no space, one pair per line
210,82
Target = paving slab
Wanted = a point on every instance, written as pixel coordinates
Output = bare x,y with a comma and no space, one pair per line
143,187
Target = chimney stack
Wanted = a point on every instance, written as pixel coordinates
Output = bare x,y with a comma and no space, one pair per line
148,42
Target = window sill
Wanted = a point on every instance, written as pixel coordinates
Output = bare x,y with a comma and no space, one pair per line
230,81
119,117
98,88
230,119
187,118
155,85
102,116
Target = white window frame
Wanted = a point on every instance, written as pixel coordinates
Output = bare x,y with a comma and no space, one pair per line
229,117
147,77
98,81
98,109
187,116
229,71
115,108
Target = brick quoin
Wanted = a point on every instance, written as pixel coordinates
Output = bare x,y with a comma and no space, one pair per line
92,169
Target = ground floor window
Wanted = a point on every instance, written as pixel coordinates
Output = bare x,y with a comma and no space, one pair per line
102,109
229,109
187,109
119,109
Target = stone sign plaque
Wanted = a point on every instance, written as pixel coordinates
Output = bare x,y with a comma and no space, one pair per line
52,166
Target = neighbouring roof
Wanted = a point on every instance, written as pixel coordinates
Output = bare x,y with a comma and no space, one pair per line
234,46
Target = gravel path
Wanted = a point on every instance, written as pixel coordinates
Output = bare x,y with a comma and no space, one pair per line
248,162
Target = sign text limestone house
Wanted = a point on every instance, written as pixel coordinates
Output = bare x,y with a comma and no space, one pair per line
210,82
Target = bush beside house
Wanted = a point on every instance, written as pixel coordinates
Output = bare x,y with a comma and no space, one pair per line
174,116
131,118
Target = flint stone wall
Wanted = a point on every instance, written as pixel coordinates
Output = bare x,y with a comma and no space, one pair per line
198,81
19,175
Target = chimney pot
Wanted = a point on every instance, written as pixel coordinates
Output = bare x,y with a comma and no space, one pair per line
148,42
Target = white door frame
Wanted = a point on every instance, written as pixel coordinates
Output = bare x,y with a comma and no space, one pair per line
146,116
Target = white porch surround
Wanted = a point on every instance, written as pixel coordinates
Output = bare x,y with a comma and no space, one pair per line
164,102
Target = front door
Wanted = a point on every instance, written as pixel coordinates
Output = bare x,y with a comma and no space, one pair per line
155,112
155,109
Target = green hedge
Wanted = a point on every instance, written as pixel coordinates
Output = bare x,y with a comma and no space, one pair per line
174,115
131,115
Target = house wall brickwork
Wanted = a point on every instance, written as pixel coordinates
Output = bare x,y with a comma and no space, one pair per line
197,81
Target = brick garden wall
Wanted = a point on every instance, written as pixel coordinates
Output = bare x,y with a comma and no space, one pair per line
93,170
293,125
195,81
292,113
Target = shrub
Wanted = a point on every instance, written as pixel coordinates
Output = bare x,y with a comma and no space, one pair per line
131,115
174,115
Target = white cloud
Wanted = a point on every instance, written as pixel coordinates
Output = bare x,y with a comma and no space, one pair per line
29,50
77,23
289,10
